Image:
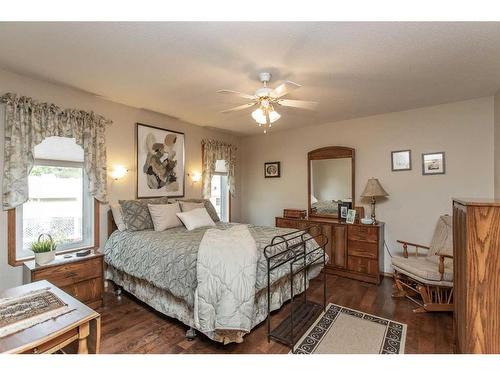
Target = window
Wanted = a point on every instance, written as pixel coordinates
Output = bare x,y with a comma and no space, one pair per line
220,191
59,202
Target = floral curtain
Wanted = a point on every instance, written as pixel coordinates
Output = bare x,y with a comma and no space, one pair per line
214,150
28,123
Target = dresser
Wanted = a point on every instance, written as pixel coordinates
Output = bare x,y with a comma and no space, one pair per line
80,277
476,253
354,250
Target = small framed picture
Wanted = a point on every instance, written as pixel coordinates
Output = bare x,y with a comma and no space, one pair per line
433,163
272,169
401,160
343,208
351,216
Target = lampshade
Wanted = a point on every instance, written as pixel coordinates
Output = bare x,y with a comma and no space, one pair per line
260,116
374,189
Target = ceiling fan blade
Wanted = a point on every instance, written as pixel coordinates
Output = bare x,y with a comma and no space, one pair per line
303,104
284,89
240,107
246,96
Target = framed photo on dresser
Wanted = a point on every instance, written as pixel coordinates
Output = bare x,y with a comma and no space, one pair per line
160,162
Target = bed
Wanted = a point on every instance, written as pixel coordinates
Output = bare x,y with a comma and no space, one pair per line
160,269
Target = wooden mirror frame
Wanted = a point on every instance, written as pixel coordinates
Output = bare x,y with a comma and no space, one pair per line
331,152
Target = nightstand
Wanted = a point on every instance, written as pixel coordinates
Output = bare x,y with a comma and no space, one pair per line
81,277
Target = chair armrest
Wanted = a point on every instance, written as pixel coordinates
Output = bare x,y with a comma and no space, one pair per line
441,263
416,246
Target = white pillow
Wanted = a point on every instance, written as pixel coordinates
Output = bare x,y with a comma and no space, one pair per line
196,218
164,216
188,206
116,209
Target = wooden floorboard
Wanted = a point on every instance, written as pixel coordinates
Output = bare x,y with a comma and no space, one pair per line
130,326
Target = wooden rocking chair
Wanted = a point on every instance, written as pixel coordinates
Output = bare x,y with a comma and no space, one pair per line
427,279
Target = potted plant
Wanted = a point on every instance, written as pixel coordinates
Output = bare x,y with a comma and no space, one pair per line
44,249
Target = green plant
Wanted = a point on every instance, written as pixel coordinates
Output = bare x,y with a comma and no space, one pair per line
43,246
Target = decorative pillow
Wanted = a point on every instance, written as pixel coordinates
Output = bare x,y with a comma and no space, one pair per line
206,202
164,216
136,213
189,206
196,218
118,216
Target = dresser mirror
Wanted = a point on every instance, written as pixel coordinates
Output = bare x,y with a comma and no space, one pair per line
330,180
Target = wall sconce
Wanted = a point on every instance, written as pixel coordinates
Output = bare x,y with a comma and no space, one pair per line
195,177
118,172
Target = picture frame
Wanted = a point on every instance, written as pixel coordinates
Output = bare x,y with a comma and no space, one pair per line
160,161
401,160
433,163
272,169
343,208
351,216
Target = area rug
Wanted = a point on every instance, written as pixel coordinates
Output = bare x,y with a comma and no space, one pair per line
27,310
341,330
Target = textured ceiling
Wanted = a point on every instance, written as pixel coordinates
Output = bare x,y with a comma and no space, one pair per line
351,69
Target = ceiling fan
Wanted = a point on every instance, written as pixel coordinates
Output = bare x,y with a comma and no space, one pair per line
267,98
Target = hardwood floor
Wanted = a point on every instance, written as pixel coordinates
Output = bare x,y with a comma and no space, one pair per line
130,326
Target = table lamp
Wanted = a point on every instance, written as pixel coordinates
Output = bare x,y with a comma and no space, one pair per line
372,190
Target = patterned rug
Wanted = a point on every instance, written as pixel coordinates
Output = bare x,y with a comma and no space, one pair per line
27,310
341,330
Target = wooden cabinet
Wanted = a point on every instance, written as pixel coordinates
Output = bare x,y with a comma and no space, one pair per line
81,277
355,250
476,256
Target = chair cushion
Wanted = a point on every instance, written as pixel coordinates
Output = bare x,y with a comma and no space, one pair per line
442,240
422,267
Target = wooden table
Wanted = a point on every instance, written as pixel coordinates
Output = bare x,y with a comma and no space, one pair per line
78,330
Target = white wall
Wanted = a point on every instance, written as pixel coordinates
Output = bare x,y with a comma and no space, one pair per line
120,139
463,130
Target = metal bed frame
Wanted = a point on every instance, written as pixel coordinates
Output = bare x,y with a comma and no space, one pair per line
291,250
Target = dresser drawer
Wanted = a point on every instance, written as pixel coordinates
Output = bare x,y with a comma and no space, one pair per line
365,233
287,223
363,249
71,273
362,265
86,291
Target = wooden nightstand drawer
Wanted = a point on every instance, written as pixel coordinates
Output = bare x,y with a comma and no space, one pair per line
363,249
70,273
364,233
86,291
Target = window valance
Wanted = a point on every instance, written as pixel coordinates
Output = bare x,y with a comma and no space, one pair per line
28,123
214,150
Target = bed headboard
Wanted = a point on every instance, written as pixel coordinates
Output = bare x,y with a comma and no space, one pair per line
111,223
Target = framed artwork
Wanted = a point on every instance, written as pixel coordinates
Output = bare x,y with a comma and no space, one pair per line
401,160
272,169
160,162
433,163
343,208
351,216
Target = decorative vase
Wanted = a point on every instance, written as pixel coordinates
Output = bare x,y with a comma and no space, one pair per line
44,258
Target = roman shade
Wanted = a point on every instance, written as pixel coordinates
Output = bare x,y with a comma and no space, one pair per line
28,123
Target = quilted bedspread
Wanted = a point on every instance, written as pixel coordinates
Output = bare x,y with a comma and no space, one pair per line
168,259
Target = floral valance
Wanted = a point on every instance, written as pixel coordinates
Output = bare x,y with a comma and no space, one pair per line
214,150
28,123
